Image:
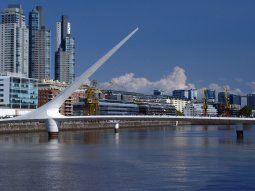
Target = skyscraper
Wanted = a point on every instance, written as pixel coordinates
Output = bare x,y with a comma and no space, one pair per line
13,41
210,95
64,55
39,46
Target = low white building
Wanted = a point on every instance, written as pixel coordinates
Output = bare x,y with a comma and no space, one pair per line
196,109
179,104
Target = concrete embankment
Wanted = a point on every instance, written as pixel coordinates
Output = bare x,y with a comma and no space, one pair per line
82,125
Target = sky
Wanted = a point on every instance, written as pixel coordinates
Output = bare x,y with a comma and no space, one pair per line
180,43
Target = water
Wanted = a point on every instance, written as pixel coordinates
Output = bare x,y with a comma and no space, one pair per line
169,158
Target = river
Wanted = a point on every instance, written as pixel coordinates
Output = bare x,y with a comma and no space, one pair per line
160,158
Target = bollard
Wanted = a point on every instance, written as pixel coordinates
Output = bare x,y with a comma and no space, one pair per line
116,128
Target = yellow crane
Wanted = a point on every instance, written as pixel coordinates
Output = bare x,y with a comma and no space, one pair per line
227,103
92,100
204,102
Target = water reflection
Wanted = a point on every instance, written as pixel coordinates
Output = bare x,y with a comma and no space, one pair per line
179,135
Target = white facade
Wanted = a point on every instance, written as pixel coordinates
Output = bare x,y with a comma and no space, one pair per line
196,109
14,41
179,104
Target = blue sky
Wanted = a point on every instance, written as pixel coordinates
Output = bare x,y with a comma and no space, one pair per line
213,42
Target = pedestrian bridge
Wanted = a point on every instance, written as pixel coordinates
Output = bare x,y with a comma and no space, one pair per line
49,113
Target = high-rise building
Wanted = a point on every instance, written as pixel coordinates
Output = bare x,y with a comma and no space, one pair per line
158,92
14,41
233,99
182,94
64,56
192,94
251,101
210,95
39,46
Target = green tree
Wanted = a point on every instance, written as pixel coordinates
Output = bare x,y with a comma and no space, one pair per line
179,113
245,111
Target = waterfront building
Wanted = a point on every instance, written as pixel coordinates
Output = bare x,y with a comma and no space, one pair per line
196,109
192,94
14,41
156,109
158,92
48,89
243,100
181,94
18,91
108,107
234,100
210,95
121,95
221,98
251,101
117,108
39,46
65,52
179,104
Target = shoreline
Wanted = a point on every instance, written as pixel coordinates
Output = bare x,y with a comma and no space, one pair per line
31,127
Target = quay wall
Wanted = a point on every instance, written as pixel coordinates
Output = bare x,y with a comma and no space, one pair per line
82,125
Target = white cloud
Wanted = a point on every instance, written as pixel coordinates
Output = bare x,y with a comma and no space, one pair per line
220,88
177,79
252,85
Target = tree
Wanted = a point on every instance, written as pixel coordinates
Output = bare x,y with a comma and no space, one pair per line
245,111
179,113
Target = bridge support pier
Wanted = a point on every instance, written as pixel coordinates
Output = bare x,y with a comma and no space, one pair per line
116,127
239,132
52,128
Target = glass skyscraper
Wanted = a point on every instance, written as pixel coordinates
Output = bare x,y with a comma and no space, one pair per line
39,46
233,99
65,51
13,41
251,101
210,95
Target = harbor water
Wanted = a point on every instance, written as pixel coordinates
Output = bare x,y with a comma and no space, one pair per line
161,158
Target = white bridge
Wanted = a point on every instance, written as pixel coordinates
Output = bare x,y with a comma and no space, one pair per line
49,113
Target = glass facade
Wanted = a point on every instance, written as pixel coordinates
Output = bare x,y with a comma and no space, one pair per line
251,101
192,94
65,53
221,98
182,94
233,99
17,92
158,92
23,93
210,95
107,108
39,46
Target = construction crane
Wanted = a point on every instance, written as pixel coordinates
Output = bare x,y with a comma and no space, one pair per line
227,107
204,102
91,100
